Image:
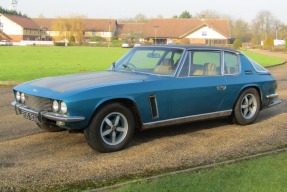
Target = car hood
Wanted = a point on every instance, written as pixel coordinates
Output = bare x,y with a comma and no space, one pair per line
85,80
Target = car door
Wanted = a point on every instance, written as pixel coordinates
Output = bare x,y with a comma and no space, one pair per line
200,85
233,78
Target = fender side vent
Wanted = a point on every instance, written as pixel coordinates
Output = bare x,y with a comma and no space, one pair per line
153,106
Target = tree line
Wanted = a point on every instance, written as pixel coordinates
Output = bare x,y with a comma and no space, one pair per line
12,12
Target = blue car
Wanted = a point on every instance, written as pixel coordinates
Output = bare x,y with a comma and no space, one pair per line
150,86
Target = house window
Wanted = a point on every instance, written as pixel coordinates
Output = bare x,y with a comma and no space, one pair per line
106,34
204,33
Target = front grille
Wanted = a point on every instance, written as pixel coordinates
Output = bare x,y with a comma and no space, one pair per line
38,103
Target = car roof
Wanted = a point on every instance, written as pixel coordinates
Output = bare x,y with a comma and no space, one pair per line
193,46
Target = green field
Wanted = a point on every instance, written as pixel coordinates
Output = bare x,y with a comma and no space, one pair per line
19,64
263,59
26,63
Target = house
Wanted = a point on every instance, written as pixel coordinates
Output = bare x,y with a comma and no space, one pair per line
17,28
91,27
157,31
193,31
105,28
132,31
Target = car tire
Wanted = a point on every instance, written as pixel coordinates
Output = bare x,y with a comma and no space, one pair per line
111,128
247,107
50,128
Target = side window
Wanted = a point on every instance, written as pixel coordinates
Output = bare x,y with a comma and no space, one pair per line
231,64
205,63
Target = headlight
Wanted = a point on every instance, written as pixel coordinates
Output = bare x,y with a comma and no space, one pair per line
55,106
63,108
22,98
18,96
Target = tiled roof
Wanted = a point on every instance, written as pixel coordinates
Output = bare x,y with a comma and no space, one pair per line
178,28
24,22
100,24
125,29
90,24
44,22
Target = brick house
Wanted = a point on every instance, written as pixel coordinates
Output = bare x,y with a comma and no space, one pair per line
159,31
194,31
92,27
18,28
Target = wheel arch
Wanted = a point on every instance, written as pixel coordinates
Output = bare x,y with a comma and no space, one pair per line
256,87
127,102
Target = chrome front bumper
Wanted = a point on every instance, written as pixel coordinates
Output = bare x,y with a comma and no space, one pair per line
275,101
45,115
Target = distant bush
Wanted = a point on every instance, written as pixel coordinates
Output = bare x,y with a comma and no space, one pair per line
237,44
255,41
258,47
117,43
97,39
268,43
72,39
59,43
286,43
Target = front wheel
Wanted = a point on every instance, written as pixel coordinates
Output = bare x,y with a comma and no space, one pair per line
247,107
111,128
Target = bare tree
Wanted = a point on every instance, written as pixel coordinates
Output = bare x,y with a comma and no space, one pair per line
240,30
263,24
139,18
211,14
77,28
61,28
69,28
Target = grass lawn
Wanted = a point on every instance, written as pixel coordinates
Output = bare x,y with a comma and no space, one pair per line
26,63
267,173
263,59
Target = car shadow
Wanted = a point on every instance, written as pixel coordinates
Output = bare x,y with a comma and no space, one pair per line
149,135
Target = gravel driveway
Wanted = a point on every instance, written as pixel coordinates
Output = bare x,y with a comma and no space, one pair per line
32,159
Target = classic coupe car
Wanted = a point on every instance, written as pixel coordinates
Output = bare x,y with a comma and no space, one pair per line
150,86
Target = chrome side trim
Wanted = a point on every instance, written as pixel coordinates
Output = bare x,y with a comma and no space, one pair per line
272,96
47,115
187,119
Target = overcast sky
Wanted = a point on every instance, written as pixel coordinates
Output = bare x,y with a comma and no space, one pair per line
119,9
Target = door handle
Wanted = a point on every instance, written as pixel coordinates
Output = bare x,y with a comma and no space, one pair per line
221,88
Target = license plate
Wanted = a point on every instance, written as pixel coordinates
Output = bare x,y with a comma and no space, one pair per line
31,116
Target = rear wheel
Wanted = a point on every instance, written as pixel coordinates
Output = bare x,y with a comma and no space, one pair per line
111,128
247,107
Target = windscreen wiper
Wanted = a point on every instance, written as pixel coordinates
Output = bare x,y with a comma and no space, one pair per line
129,67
